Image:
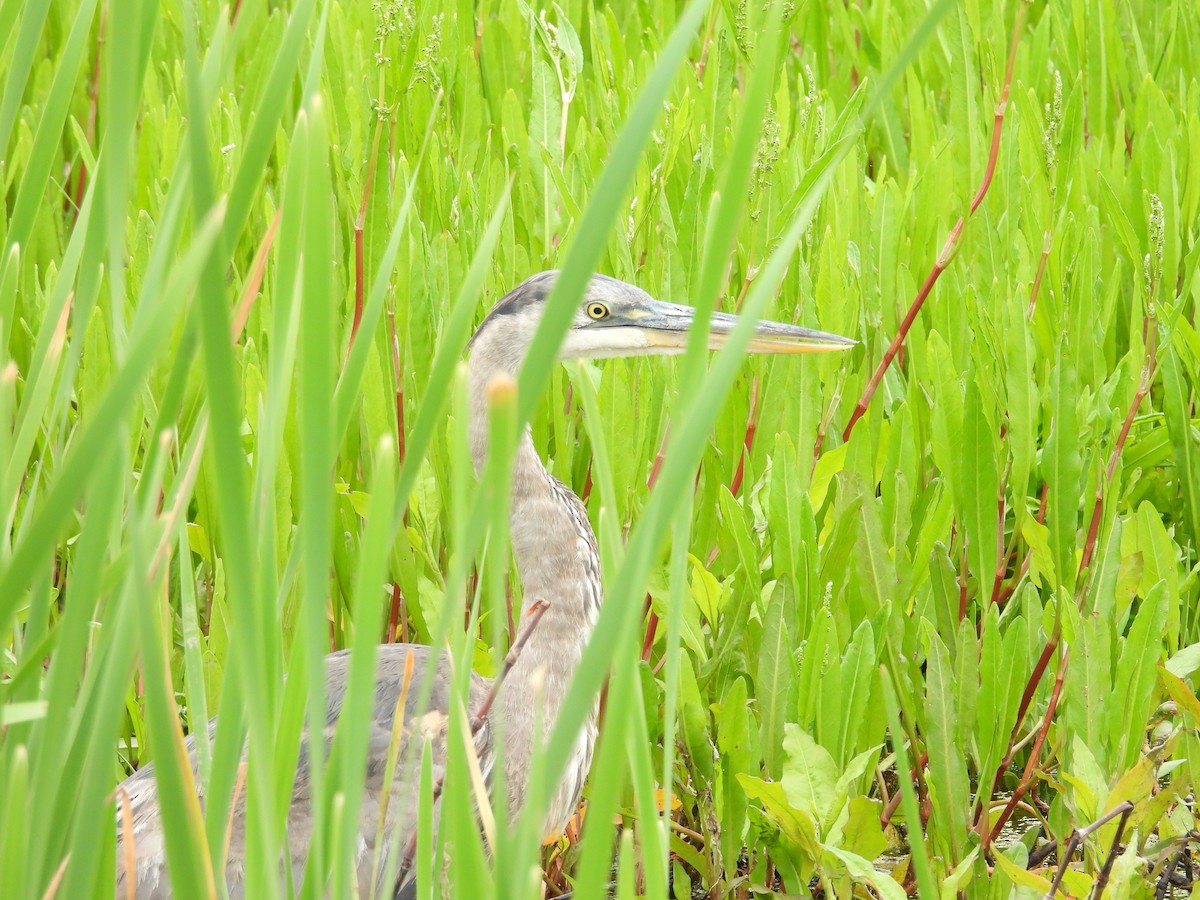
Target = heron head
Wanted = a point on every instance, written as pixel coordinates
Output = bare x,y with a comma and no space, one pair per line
619,319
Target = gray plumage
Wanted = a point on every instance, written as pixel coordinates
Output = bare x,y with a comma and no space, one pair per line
558,562
420,724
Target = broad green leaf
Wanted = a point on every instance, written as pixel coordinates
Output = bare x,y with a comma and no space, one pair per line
739,755
1088,696
1018,875
947,767
864,873
947,413
1088,781
707,593
797,825
960,877
875,570
776,677
810,777
858,674
1185,662
861,833
734,515
1183,695
1135,682
694,719
1183,437
977,489
829,465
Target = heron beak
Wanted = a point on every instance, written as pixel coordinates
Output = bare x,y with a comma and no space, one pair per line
666,326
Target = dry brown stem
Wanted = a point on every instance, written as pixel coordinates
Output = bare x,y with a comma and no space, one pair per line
534,615
1079,835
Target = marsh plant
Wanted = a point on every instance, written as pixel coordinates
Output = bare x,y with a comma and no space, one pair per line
923,617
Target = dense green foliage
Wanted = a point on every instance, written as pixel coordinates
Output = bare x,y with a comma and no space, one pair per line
987,581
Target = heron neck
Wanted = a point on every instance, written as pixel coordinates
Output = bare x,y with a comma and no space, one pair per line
558,562
552,539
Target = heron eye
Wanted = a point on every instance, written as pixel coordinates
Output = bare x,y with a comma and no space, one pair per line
597,310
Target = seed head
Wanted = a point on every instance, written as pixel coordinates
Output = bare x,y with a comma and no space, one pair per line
1052,118
425,68
1156,231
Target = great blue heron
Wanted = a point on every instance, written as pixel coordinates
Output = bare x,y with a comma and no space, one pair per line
558,562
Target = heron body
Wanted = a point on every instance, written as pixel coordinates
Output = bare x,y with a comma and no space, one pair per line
559,564
429,723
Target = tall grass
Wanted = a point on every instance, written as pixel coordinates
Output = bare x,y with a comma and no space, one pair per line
933,601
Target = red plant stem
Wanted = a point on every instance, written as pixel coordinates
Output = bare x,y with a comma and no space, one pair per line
93,93
532,617
1035,677
853,68
656,468
1011,588
962,584
1001,554
587,484
705,45
1037,278
359,224
394,614
885,817
478,34
823,425
861,407
655,471
1093,530
1007,551
1144,383
951,245
1034,753
651,629
399,393
735,485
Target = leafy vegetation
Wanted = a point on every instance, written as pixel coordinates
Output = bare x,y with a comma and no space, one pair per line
947,624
